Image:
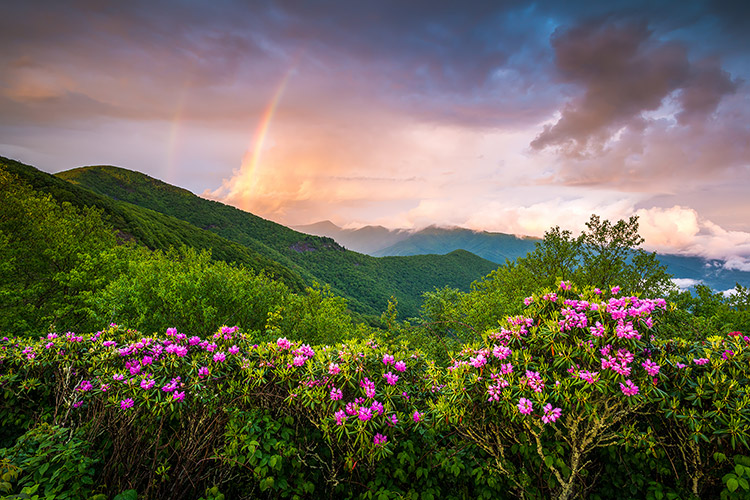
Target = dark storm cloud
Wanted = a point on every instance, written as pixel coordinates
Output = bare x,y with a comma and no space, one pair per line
624,71
703,89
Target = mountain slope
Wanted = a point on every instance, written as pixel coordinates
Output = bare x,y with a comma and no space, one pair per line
366,281
150,228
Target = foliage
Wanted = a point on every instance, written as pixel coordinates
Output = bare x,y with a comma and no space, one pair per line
556,402
187,289
701,310
53,461
51,256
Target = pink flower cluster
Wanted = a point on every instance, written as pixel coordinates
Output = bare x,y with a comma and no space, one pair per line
551,414
629,388
525,406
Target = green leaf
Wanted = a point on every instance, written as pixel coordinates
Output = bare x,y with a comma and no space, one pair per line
732,484
744,484
127,495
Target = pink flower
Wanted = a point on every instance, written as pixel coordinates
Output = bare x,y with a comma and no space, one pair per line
597,330
365,413
700,361
234,350
377,407
336,394
171,331
299,360
340,417
147,383
478,362
501,351
203,371
651,367
219,357
85,386
615,290
126,403
629,388
388,359
550,414
379,439
283,343
104,387
178,396
525,406
534,380
390,378
417,417
333,369
400,366
590,377
369,387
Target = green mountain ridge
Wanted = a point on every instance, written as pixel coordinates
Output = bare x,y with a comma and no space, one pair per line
367,282
151,228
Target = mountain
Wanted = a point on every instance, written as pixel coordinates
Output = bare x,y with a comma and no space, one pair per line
497,247
367,239
153,229
367,282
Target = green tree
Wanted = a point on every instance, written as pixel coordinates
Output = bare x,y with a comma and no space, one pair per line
51,256
184,288
610,255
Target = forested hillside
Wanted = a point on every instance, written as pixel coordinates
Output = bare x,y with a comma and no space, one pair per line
166,216
366,282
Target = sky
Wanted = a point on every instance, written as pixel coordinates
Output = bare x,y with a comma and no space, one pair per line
500,115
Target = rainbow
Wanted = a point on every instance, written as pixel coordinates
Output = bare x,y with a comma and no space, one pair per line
250,165
174,134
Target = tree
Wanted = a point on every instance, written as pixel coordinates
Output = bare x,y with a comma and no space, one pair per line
51,256
610,255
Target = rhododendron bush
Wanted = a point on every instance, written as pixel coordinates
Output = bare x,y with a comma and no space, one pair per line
577,397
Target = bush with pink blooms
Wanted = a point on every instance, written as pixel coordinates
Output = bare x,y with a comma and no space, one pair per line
578,396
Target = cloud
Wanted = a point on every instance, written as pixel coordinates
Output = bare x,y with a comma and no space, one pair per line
682,230
685,283
705,86
623,71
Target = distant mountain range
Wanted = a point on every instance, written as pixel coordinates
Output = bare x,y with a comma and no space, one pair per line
497,247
